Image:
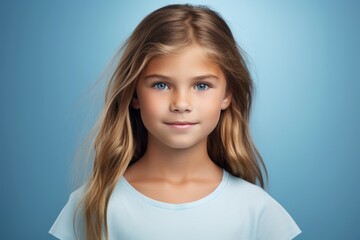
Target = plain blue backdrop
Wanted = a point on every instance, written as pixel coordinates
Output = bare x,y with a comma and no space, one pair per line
304,56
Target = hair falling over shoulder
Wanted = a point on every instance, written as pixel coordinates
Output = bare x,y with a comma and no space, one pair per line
121,137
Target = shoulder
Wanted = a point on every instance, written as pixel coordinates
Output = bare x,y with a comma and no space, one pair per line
268,217
70,216
242,198
78,194
243,189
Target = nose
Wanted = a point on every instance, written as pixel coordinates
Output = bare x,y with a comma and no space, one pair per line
181,102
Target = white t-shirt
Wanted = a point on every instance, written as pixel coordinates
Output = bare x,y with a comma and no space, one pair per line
236,209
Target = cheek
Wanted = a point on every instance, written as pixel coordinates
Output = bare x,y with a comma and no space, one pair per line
211,109
150,107
211,113
146,100
211,103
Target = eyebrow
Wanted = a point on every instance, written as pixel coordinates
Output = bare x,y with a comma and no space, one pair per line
198,78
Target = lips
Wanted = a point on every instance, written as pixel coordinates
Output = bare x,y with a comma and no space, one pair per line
180,124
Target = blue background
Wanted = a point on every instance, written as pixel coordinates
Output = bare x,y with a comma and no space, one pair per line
304,56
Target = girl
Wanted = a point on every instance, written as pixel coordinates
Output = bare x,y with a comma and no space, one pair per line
174,158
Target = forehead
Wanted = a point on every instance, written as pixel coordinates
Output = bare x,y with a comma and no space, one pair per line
189,61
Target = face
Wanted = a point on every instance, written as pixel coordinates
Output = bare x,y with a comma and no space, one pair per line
180,98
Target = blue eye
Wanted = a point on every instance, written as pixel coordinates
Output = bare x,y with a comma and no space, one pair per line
201,86
161,86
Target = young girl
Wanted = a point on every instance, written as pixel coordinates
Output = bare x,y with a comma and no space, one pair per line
174,158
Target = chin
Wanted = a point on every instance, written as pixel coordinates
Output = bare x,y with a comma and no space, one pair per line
181,145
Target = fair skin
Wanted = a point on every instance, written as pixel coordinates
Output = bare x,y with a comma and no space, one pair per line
180,98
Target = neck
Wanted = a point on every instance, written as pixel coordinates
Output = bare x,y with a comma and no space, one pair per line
162,161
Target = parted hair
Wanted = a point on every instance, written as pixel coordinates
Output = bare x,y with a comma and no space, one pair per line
121,137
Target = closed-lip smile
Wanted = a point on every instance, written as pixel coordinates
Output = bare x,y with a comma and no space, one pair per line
180,124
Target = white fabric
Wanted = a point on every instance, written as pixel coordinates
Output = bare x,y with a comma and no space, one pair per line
236,209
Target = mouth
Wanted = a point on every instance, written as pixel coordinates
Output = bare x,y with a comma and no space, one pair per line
180,125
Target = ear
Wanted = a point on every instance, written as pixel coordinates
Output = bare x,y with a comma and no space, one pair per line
135,103
226,101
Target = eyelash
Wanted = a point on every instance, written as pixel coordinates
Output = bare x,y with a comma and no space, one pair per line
155,85
205,84
158,83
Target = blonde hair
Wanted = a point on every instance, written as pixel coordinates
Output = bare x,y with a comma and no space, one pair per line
121,136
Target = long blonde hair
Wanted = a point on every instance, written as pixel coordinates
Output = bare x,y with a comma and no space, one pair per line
121,137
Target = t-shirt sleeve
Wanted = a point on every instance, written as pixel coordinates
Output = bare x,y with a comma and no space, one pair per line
63,227
275,223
